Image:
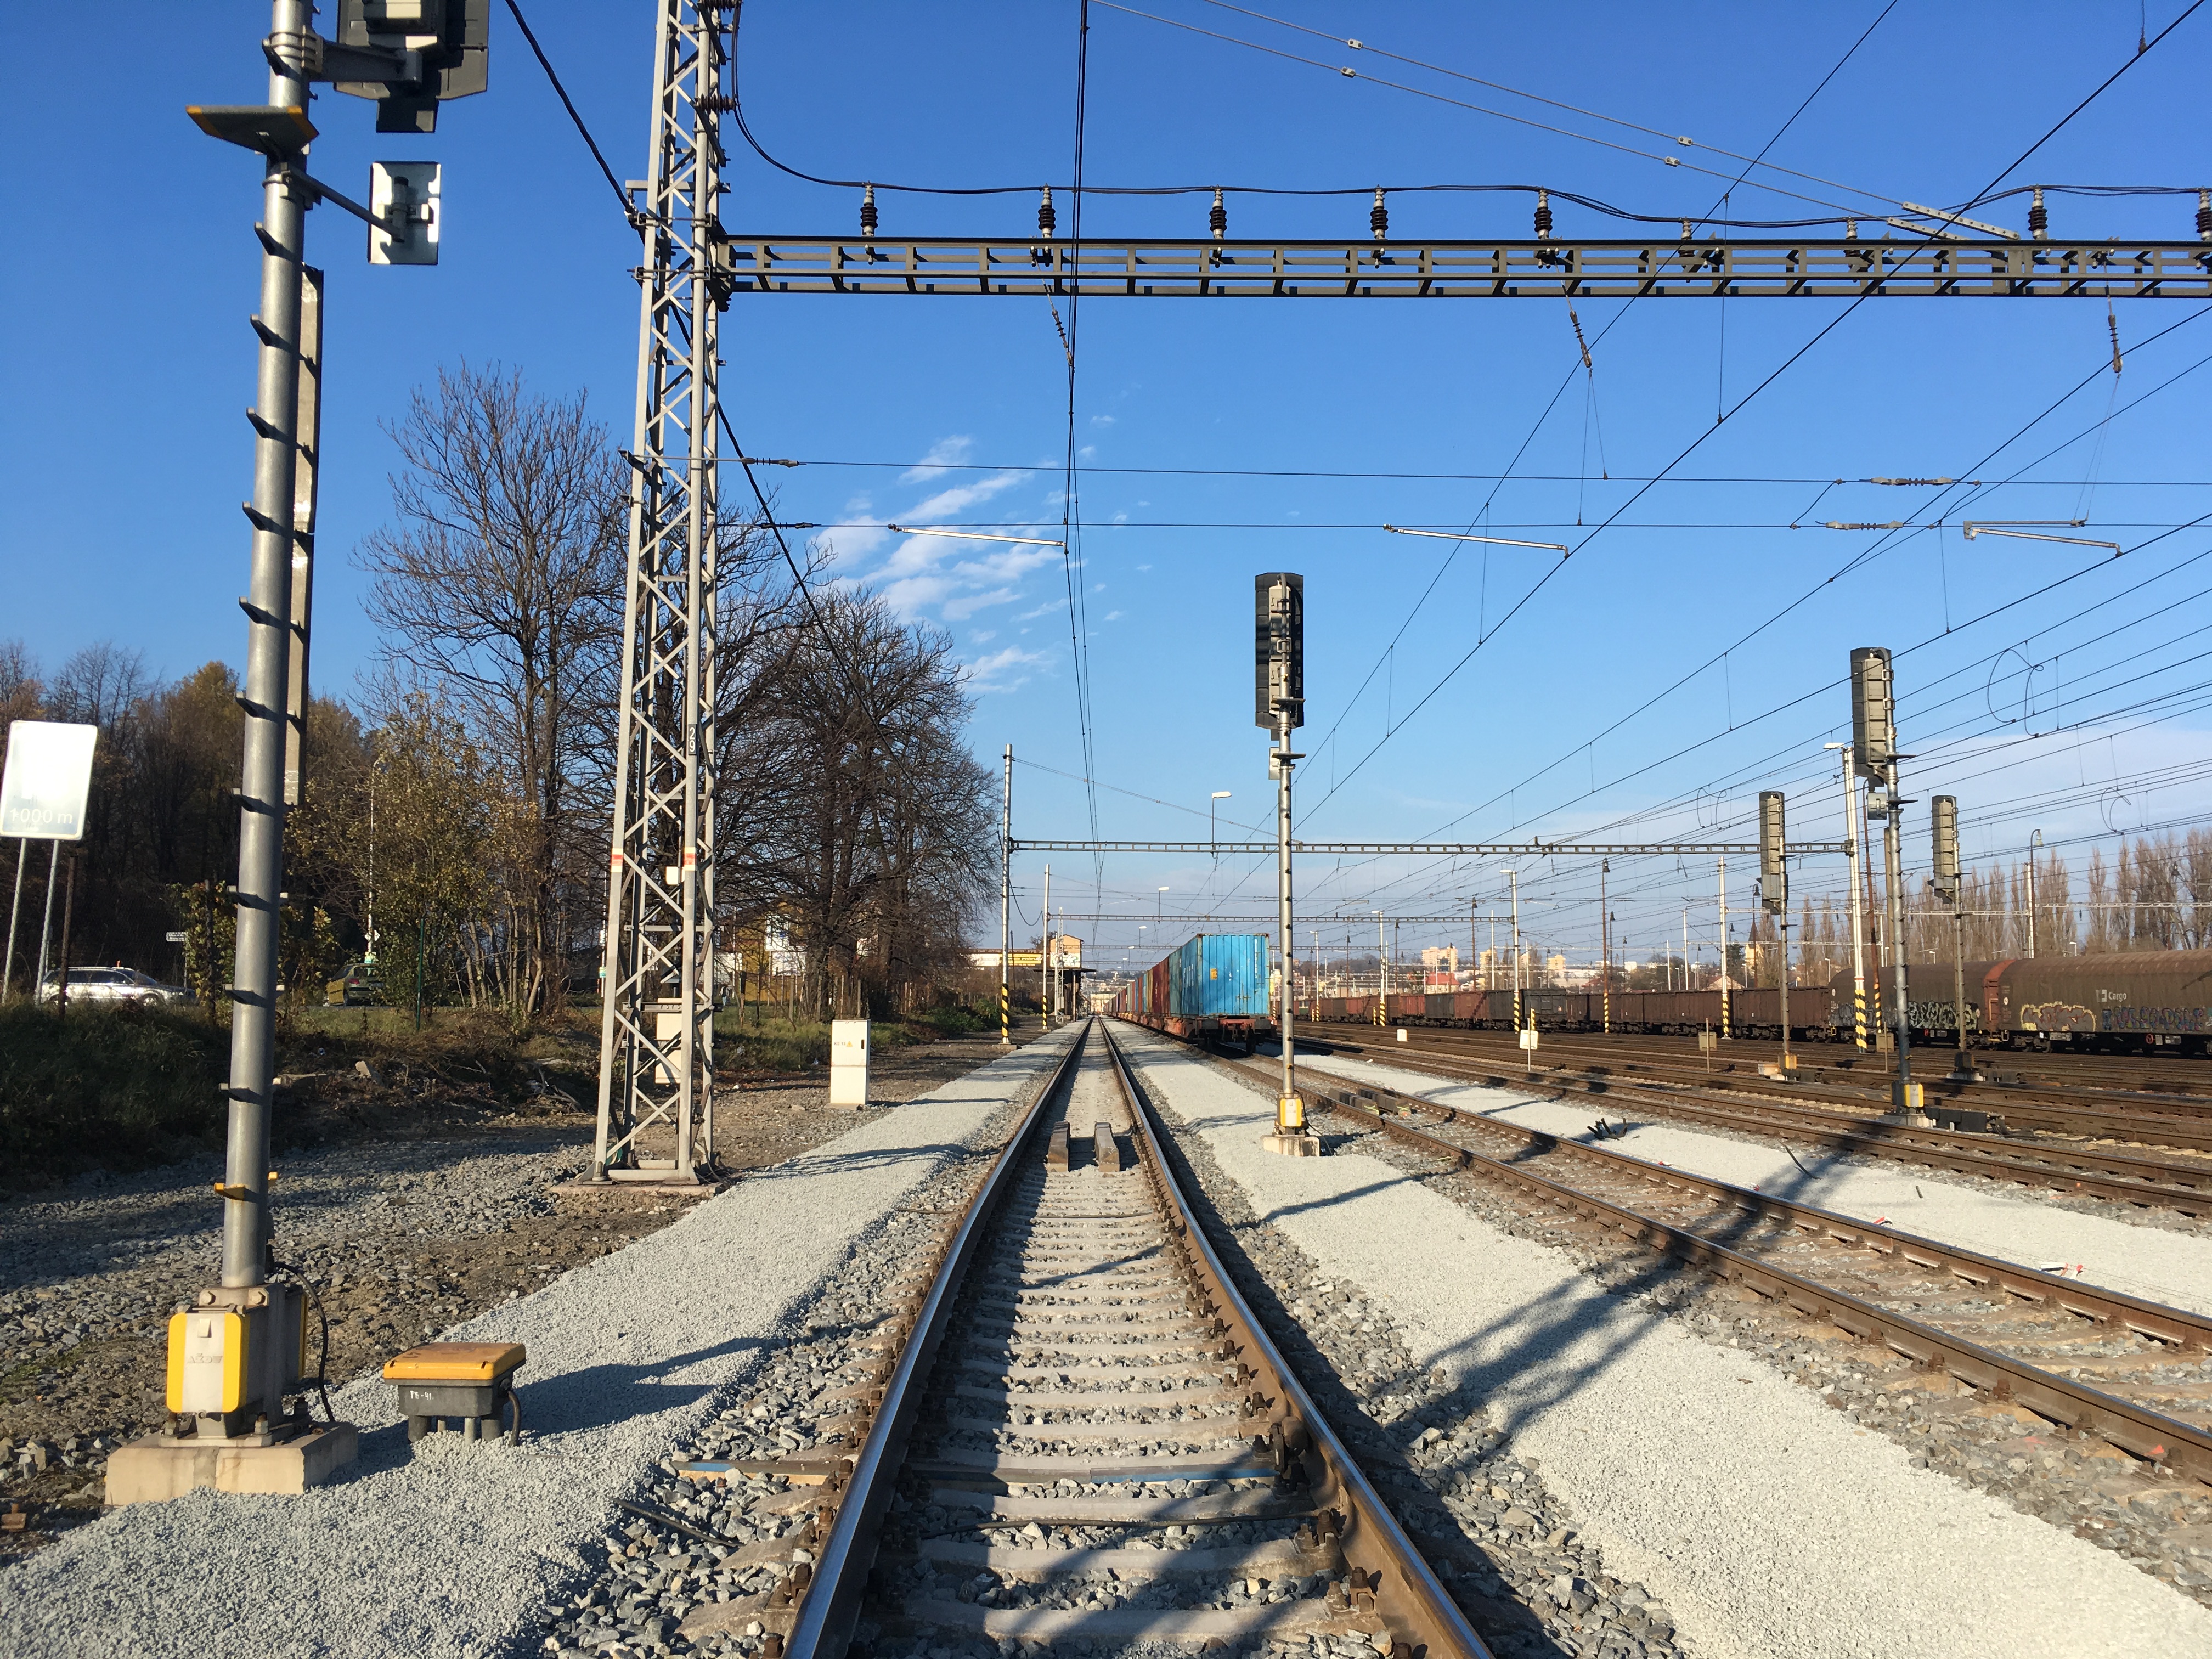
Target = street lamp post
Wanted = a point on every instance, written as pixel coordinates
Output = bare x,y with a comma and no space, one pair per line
2034,845
1605,943
1514,876
1858,921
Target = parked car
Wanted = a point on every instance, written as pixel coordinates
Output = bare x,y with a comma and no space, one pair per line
117,984
360,984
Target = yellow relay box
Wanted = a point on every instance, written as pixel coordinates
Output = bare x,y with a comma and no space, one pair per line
230,1359
470,1381
206,1361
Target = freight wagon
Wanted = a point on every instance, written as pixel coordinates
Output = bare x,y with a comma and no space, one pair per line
2134,1002
1214,985
1751,1012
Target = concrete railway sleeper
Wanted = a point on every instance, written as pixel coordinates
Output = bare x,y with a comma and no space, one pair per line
1103,1440
1712,1211
2161,1183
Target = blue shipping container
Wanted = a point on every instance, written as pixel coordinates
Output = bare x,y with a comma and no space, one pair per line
1220,976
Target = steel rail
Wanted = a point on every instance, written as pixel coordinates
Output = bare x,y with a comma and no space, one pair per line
2189,1132
2152,1182
2138,1429
2190,1332
2010,1071
1410,1602
829,1600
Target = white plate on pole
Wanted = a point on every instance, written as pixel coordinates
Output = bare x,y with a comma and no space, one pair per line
47,776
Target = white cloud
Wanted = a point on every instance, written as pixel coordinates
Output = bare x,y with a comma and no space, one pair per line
1146,566
1100,587
1044,609
968,605
983,636
860,535
948,576
1116,616
943,452
946,502
1008,670
1102,420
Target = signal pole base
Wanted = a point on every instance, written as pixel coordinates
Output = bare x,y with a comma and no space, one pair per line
1291,1145
156,1467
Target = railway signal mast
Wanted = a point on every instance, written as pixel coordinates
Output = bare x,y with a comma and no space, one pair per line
1943,826
656,1030
1873,753
236,1352
1774,893
1278,687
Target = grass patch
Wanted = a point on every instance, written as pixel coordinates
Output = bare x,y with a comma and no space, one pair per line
117,1088
773,1045
777,1044
128,1087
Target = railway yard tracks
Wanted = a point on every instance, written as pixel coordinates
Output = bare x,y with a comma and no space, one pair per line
1068,1423
2079,1107
2070,1165
2110,1367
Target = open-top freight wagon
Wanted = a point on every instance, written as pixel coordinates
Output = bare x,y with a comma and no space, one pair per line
2133,1002
1214,985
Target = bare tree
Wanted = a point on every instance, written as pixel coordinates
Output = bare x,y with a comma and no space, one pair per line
865,818
499,592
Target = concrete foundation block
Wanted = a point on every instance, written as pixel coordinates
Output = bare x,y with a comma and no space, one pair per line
1293,1145
161,1466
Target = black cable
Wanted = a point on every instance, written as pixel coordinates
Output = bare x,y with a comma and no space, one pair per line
663,1518
1859,559
323,1356
1805,105
630,212
1078,606
1595,204
1983,194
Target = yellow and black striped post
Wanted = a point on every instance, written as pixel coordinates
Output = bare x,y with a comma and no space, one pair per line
1005,1015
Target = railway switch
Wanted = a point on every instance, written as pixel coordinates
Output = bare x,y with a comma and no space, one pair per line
471,1381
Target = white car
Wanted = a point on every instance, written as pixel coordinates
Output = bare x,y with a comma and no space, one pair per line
114,985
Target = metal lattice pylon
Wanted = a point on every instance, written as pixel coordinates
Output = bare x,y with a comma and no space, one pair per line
656,1034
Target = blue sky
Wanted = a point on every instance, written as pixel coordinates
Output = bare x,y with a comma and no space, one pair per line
130,365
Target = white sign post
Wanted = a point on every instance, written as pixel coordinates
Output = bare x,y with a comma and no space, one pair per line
849,1062
42,786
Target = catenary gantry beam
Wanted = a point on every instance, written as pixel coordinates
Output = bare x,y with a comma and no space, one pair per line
1470,270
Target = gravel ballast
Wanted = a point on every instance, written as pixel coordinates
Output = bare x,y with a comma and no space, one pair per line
2160,1264
462,1548
1766,1524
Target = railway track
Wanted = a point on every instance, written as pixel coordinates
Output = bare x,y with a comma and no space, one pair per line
2152,1103
2065,1166
2129,1372
1086,1434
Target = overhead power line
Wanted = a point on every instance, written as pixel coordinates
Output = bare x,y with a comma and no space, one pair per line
1595,204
